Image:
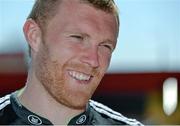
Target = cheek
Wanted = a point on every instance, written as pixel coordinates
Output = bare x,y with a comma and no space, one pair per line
104,55
61,53
104,61
64,49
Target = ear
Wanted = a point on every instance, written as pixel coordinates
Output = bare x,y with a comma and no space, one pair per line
32,34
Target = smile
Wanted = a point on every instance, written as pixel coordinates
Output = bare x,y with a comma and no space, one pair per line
79,76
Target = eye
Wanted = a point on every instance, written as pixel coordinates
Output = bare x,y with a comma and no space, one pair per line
80,37
108,46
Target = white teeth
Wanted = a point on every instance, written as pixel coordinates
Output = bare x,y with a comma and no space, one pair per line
79,76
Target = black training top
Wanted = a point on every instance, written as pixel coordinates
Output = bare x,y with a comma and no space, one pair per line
12,112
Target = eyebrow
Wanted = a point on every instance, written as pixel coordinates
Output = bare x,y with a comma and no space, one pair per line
76,31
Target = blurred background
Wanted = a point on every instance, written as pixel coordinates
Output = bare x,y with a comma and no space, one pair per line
144,75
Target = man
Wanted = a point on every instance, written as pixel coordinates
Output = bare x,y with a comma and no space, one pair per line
71,42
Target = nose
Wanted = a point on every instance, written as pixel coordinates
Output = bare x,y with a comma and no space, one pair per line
90,57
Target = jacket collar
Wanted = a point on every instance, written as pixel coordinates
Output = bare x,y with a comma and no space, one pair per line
34,119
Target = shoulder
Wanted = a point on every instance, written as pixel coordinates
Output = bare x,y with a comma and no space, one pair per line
4,108
4,101
107,116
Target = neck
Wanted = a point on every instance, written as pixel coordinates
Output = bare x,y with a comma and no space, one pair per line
38,100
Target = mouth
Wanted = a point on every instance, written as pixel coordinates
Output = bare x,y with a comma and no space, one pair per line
80,76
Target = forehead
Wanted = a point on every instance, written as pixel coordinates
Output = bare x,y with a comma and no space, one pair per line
76,9
80,5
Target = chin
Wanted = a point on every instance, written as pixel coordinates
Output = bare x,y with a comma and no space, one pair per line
80,104
75,102
71,98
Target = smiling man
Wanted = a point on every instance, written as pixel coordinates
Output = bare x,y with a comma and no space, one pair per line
71,43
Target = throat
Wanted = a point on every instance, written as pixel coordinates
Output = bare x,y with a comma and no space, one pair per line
37,100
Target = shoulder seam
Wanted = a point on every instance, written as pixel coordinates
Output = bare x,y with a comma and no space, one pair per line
112,114
4,98
4,101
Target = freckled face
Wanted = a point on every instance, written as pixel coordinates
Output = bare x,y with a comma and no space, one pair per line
75,52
